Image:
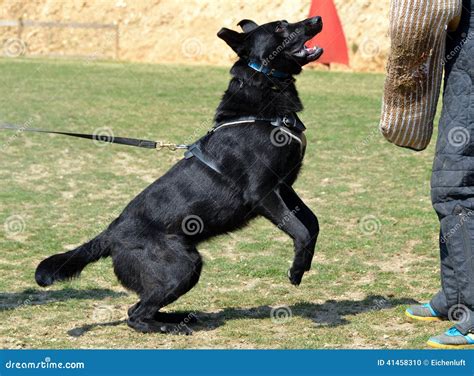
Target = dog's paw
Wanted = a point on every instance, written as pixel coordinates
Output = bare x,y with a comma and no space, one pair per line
181,330
152,326
295,276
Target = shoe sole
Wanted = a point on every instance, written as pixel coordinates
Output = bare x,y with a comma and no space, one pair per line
421,318
437,345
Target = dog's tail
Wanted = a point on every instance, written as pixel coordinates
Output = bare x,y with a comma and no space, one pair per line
64,266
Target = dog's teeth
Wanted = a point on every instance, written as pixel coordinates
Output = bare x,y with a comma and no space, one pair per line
300,53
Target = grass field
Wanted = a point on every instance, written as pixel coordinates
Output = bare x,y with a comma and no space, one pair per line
378,244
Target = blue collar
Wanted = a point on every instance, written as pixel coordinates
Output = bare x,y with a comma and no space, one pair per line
266,70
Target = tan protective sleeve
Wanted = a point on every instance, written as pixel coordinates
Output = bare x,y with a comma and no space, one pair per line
415,69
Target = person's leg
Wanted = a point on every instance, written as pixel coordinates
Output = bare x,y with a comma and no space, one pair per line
437,309
457,272
459,288
439,302
452,187
456,299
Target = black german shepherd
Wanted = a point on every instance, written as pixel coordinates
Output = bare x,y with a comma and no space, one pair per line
238,171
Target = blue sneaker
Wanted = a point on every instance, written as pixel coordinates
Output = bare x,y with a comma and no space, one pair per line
423,312
452,339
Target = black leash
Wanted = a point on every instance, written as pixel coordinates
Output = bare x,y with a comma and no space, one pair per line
147,144
291,122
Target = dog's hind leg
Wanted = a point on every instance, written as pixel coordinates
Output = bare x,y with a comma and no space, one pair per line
166,274
168,317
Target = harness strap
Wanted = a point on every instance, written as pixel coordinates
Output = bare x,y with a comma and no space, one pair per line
195,151
290,121
294,137
286,124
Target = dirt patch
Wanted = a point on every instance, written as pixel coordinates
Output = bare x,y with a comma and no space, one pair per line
175,31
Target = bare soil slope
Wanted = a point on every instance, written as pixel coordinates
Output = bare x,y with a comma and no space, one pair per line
183,31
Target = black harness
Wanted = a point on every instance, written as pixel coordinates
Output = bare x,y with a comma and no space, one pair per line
290,124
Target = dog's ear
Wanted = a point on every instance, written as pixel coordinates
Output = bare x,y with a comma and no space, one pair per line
234,39
247,25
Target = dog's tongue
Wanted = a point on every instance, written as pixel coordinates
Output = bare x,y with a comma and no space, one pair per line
310,53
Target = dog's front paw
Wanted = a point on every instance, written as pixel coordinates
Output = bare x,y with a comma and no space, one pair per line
295,276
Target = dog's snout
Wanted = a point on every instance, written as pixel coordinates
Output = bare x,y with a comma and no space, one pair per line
313,25
316,20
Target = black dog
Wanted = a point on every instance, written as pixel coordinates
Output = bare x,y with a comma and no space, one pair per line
243,168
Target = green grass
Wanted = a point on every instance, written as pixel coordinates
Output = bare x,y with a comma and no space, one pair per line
63,191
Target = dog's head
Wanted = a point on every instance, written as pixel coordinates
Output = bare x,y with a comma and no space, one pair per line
278,45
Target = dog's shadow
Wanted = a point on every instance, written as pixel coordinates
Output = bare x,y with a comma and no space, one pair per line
331,313
32,297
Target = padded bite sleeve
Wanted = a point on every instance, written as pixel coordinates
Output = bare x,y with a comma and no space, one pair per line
414,69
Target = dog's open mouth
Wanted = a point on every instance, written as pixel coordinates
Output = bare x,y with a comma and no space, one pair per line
308,53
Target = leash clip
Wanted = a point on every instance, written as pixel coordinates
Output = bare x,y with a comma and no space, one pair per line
160,145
